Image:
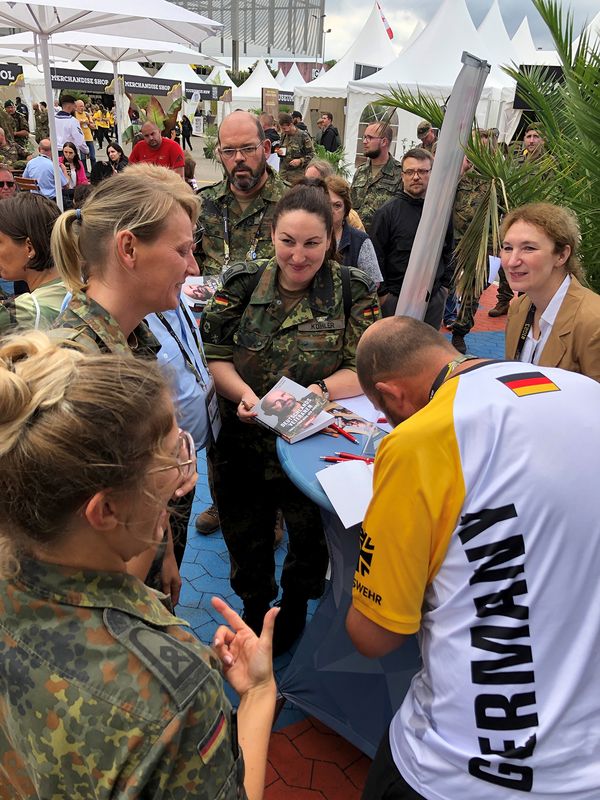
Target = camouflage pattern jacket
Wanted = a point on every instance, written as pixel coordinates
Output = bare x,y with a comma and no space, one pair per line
20,123
246,322
297,145
370,193
85,322
105,695
469,194
42,126
249,228
11,153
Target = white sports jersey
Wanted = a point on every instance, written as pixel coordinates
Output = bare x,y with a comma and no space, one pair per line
484,533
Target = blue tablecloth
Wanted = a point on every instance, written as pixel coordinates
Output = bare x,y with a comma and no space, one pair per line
327,678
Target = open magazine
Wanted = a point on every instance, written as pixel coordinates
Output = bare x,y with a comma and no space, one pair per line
369,434
292,411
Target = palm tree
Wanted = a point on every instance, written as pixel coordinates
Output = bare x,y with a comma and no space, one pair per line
567,109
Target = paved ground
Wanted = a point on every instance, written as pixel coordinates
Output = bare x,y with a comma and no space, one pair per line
307,761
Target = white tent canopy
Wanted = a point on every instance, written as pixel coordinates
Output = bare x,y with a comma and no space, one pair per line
178,72
220,77
523,42
527,53
249,94
499,47
124,68
292,79
371,48
431,63
280,76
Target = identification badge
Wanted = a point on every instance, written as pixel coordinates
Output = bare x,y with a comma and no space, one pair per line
322,325
212,409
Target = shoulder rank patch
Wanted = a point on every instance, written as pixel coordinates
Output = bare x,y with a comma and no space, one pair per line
358,275
239,268
178,667
526,383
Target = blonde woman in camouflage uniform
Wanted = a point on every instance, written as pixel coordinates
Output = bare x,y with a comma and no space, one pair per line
103,693
286,317
124,256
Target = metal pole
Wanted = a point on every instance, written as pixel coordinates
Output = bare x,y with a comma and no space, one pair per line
429,239
51,120
235,35
119,113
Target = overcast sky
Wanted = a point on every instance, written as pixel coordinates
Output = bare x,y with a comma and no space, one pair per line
346,18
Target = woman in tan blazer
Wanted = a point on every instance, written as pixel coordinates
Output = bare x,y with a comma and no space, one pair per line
556,321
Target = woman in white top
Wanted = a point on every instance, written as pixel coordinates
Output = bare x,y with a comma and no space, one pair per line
556,320
26,222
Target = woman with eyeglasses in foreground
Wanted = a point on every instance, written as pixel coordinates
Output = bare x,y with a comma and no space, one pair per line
26,222
103,692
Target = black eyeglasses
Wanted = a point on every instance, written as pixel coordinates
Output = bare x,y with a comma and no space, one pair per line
247,151
10,184
420,172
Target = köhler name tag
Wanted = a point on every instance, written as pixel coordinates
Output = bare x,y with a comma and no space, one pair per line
322,325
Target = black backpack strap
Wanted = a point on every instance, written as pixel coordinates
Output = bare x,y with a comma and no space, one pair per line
346,291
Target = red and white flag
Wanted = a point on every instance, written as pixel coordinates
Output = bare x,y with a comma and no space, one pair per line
386,24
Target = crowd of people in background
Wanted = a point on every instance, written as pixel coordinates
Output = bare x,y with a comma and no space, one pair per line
287,241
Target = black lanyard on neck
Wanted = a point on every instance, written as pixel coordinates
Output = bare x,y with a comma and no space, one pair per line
251,254
446,371
525,332
186,357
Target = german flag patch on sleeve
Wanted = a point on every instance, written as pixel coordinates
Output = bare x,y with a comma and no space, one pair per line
526,383
215,736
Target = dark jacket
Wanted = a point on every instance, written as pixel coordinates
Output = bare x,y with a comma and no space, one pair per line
330,139
393,232
350,243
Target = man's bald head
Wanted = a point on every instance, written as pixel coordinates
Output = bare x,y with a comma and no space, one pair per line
151,134
79,106
241,123
400,348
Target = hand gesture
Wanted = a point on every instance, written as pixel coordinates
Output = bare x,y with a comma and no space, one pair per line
247,659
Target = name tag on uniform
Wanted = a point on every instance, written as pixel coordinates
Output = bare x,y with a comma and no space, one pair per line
322,325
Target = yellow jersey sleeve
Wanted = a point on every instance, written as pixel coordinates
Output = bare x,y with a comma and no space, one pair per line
418,493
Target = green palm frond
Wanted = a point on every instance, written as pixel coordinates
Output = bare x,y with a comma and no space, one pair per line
420,103
567,109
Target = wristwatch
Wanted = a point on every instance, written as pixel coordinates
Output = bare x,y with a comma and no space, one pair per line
323,387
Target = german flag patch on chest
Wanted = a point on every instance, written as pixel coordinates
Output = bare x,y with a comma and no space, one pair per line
526,383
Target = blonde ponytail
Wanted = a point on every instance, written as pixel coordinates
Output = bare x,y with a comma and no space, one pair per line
66,255
71,423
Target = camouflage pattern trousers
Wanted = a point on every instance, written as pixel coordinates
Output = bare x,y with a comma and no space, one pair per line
250,487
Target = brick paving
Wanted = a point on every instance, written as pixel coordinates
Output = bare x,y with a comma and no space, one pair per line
307,761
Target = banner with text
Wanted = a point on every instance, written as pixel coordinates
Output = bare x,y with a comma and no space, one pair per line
100,82
206,91
11,75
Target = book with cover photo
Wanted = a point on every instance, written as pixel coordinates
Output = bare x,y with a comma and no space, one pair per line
292,411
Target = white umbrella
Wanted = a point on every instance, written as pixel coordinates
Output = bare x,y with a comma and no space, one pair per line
112,50
154,19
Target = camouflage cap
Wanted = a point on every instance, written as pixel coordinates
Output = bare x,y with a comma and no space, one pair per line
423,127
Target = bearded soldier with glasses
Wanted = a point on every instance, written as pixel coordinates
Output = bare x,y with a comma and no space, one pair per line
236,213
